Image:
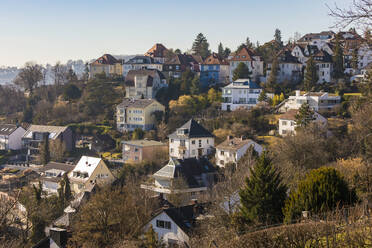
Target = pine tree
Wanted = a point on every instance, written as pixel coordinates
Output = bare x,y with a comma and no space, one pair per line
264,194
304,116
201,46
338,60
67,188
274,71
248,43
262,97
195,86
278,36
241,71
226,52
220,50
311,74
44,151
354,59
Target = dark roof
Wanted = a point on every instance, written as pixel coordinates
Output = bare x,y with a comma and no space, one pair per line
150,73
285,56
215,59
194,130
7,129
244,54
140,60
57,166
322,56
157,50
136,103
106,59
312,36
184,59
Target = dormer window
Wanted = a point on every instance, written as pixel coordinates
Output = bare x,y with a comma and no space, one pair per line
182,131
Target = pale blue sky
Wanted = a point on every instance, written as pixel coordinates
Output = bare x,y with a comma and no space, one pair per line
51,30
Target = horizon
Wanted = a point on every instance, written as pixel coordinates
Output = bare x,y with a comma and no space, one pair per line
46,32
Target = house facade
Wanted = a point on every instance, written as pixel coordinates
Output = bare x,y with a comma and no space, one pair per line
233,149
214,70
318,101
88,172
136,151
157,52
242,93
137,113
175,65
254,62
143,83
190,141
11,137
324,64
141,62
107,64
287,122
289,67
51,176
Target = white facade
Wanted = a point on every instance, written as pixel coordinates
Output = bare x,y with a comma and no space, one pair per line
182,148
256,67
12,141
240,94
170,232
324,72
288,126
130,67
286,71
318,101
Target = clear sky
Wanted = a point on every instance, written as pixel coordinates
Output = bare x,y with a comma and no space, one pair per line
58,30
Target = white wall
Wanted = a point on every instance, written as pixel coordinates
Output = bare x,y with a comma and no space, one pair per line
191,149
15,139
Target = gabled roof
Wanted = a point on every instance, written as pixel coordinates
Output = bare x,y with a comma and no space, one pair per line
157,51
87,165
106,59
149,73
234,144
244,54
243,83
313,36
193,130
184,59
54,131
136,103
144,143
140,60
215,59
285,56
56,166
322,56
7,129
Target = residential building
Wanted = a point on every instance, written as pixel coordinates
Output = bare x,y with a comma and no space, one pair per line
317,39
11,137
303,51
287,122
175,65
233,149
136,151
289,67
89,171
107,64
254,62
36,134
157,52
141,62
214,70
242,93
189,176
191,140
318,101
324,64
52,174
173,225
143,83
137,113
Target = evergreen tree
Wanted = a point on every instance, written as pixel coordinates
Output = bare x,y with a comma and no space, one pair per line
201,46
338,60
37,230
278,36
226,52
311,74
262,97
249,44
274,71
178,51
138,134
67,191
44,151
264,194
354,59
304,116
220,50
241,71
195,86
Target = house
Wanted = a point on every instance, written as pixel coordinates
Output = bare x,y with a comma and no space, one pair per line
52,174
190,176
36,134
141,62
324,65
303,51
157,52
143,83
289,67
254,62
232,149
11,137
287,122
136,151
191,140
318,101
137,113
173,225
175,65
214,70
242,93
317,39
107,64
89,171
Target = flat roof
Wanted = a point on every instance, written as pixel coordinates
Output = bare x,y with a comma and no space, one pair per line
143,143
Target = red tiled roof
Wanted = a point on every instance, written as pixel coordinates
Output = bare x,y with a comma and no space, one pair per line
106,59
214,59
158,51
243,54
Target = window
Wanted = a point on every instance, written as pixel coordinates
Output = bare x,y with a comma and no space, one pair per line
284,123
222,152
136,149
200,143
193,142
163,224
193,152
172,140
171,150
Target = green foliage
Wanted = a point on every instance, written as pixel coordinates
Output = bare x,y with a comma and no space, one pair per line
71,92
44,151
223,53
311,75
262,97
274,72
354,59
278,36
138,134
201,46
338,59
322,190
263,197
37,230
304,116
241,71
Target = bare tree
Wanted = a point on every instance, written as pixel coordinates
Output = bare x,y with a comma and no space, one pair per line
29,76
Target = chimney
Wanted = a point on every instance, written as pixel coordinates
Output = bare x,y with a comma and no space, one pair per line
59,236
298,93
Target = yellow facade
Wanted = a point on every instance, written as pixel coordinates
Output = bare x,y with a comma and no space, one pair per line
109,70
143,116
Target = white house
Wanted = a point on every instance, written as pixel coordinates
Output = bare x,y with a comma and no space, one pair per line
317,39
141,62
250,59
190,141
318,101
287,122
289,67
324,64
11,137
52,174
232,149
242,93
